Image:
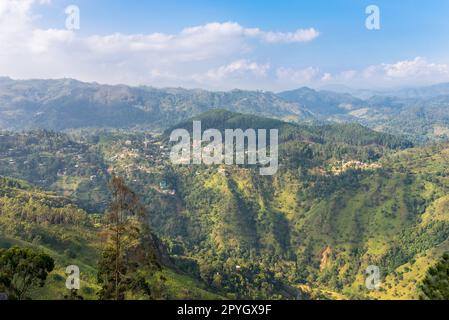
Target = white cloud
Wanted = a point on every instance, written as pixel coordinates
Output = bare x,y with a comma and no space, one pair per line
326,77
186,58
300,35
43,41
234,29
415,71
347,75
193,57
298,76
239,67
417,67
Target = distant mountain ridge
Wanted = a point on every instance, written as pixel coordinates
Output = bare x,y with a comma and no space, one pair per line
421,113
67,104
408,92
322,103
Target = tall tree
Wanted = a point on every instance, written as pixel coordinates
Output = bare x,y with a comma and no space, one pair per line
128,257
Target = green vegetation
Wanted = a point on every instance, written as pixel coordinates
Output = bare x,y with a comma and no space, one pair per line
435,285
39,225
345,197
128,257
21,269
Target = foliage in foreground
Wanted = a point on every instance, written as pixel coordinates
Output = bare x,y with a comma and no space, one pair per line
127,258
22,269
435,285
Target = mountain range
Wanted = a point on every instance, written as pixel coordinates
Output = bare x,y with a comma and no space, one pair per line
356,186
420,113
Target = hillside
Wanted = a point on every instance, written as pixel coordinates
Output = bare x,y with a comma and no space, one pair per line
66,104
323,103
342,189
353,134
419,113
354,215
70,104
37,219
345,197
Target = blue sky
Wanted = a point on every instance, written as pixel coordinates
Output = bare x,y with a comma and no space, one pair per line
145,42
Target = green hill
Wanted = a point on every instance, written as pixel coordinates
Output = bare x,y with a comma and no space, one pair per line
345,197
33,218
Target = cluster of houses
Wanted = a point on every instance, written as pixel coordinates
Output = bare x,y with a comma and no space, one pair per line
152,149
354,164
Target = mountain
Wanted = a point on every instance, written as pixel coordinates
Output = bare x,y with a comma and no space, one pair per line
318,133
420,113
340,202
441,89
344,197
404,93
322,103
68,104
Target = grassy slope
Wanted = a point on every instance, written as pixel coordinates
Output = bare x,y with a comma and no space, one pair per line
395,205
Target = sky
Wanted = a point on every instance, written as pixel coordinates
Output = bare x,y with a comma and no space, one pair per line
227,44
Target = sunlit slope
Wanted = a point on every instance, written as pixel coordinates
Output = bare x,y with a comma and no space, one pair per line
30,217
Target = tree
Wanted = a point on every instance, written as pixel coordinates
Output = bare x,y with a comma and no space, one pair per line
128,256
22,269
435,285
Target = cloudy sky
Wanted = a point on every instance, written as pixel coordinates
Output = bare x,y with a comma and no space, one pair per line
226,44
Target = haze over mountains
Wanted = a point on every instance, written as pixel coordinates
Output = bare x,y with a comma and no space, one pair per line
421,113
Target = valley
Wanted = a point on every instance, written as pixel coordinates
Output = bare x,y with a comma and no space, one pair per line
345,197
